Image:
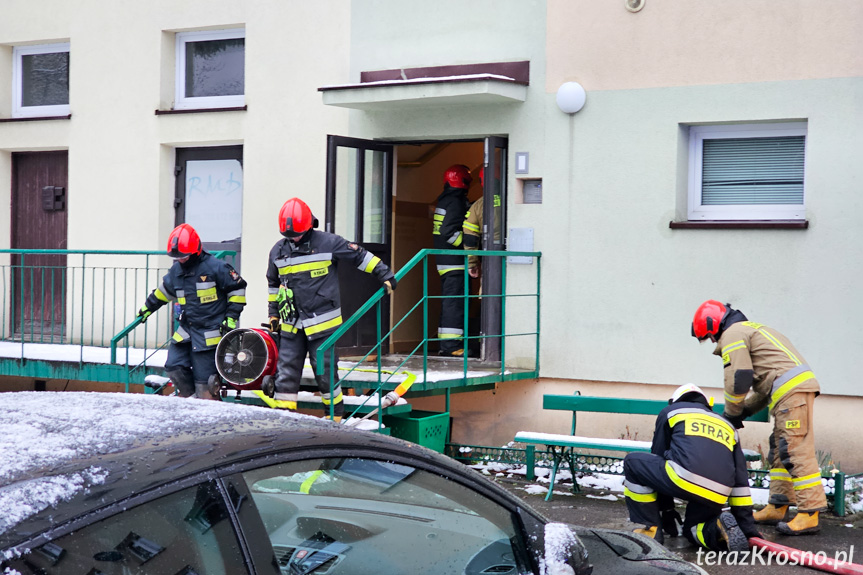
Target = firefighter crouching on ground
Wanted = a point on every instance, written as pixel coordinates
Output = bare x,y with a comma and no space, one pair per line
695,456
211,295
762,368
447,234
305,303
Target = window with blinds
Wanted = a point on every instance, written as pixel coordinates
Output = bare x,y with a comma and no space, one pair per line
747,172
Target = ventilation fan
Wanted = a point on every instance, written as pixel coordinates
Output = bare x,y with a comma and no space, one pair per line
244,357
634,5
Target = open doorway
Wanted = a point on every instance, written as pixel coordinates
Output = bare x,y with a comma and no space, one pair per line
383,195
418,183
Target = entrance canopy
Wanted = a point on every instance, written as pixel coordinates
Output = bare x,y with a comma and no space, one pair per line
491,83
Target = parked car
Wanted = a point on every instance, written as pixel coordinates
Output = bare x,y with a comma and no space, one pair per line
104,484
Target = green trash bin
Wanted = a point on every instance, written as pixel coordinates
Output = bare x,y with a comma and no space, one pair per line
427,428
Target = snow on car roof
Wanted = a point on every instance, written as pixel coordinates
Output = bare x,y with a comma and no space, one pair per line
42,432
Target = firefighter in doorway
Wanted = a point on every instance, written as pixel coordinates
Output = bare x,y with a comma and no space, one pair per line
695,456
472,227
447,234
762,369
305,303
211,295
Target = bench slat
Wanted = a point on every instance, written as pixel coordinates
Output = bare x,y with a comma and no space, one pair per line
621,405
582,442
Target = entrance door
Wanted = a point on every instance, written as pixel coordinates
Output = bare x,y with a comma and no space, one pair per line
209,196
39,201
493,238
359,207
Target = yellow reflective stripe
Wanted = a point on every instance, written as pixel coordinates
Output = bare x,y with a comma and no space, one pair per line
323,326
237,299
181,301
470,227
739,501
177,337
715,429
160,296
734,398
374,262
306,267
807,481
457,242
273,297
733,346
779,474
788,386
443,271
693,488
449,336
699,534
772,339
213,340
289,328
206,292
438,217
338,398
307,484
640,497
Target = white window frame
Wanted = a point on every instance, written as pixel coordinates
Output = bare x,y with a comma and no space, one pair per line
699,212
181,102
20,111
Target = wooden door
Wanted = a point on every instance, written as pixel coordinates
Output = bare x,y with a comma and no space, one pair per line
39,222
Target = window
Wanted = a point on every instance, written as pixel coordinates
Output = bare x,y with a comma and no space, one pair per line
211,69
184,533
747,172
40,80
356,515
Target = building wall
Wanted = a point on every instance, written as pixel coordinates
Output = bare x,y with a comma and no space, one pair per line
121,154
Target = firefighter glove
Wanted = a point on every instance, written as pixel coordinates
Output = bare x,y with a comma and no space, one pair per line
285,302
144,313
735,420
390,285
273,324
227,325
670,520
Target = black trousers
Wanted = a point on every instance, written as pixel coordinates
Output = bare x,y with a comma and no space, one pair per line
451,326
644,474
189,367
293,348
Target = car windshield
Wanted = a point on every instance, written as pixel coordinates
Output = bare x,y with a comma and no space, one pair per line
363,479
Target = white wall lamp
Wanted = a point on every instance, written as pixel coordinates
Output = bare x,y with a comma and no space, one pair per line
570,97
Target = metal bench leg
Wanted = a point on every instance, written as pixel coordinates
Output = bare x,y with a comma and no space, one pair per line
556,457
576,488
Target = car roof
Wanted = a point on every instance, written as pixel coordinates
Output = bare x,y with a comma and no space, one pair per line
90,449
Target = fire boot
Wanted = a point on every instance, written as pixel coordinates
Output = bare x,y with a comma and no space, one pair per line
654,532
771,514
730,533
202,391
802,524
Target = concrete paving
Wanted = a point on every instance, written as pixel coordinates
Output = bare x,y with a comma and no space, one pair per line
839,536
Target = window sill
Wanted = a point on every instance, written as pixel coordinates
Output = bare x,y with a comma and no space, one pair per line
36,118
201,110
740,225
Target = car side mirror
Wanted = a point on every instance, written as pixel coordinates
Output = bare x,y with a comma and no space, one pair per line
556,548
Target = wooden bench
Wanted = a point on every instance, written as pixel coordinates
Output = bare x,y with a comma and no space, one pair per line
562,447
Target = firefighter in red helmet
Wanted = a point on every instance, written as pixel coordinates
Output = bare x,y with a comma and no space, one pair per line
211,295
448,234
763,369
304,300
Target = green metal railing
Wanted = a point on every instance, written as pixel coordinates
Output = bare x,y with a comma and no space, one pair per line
78,297
420,264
